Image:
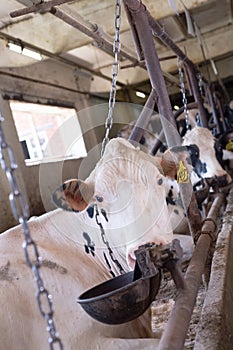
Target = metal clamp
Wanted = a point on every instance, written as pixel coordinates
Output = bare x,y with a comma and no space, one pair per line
151,257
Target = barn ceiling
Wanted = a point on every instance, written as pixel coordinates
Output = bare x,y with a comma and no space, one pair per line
208,39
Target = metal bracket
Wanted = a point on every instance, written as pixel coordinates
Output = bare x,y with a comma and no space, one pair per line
151,257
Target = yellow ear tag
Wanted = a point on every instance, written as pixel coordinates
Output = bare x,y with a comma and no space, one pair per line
229,146
182,173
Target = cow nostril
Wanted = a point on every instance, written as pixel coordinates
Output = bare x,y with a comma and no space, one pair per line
221,180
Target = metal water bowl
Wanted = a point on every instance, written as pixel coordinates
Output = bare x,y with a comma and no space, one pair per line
120,299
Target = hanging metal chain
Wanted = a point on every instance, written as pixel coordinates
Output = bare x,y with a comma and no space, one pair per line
200,84
105,241
115,70
182,89
21,213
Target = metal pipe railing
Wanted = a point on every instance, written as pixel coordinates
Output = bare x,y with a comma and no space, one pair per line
173,337
42,7
139,21
92,30
160,138
144,118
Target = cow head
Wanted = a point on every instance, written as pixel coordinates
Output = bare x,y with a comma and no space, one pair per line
210,155
127,186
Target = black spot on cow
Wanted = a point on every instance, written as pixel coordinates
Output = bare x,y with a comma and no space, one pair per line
198,166
176,211
169,197
6,274
54,266
90,246
90,211
103,212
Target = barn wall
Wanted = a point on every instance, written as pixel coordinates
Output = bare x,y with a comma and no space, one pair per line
47,83
54,83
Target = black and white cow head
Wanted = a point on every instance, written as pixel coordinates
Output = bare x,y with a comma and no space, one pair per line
210,153
127,186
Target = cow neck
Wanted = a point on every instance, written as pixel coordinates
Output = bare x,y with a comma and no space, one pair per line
105,241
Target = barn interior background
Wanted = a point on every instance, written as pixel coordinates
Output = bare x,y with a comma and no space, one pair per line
55,77
72,69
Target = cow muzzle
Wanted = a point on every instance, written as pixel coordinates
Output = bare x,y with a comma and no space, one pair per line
220,181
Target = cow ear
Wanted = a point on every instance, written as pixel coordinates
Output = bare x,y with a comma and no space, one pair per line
73,195
169,164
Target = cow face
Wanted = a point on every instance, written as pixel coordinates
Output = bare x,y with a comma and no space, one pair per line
209,166
127,186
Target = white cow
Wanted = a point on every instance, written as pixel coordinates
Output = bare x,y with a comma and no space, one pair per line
206,142
127,188
207,167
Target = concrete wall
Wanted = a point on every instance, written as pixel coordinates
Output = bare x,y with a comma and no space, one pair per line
215,330
53,83
48,83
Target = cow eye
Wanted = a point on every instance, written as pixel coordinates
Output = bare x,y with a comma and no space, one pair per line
99,198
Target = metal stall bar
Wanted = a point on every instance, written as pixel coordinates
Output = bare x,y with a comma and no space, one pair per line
160,33
213,108
218,102
43,6
137,17
91,29
160,139
173,337
144,118
103,40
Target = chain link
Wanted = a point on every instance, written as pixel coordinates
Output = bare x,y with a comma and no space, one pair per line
115,71
105,241
21,213
184,100
200,84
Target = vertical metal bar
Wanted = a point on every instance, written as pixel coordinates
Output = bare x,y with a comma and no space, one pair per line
135,36
196,93
218,101
159,32
144,118
160,139
213,109
139,21
174,334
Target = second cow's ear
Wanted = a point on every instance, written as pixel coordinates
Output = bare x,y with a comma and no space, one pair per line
73,195
169,164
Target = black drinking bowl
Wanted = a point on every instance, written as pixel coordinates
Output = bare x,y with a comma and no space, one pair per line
120,299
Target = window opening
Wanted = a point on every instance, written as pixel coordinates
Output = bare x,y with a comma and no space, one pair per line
47,133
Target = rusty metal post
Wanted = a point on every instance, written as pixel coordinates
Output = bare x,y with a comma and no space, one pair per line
174,334
138,19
